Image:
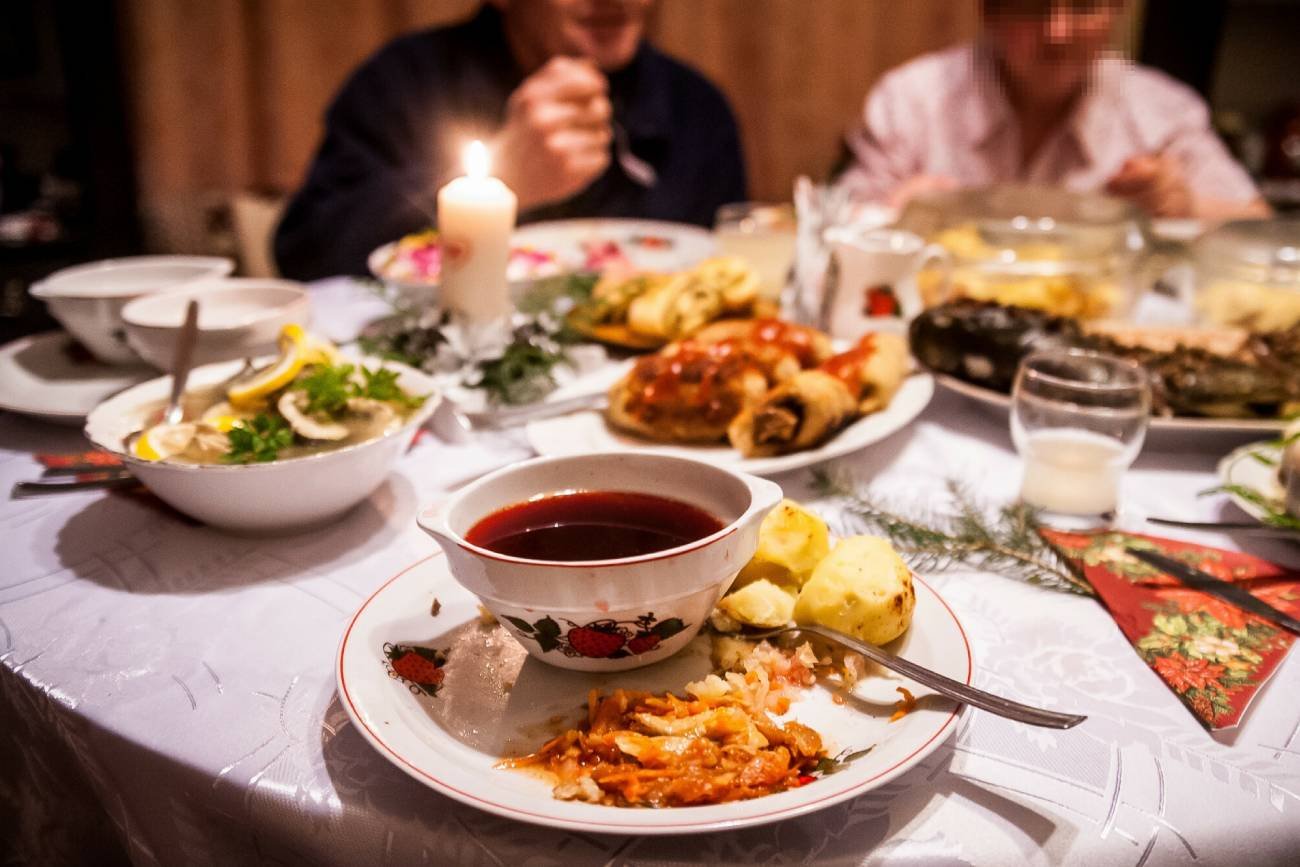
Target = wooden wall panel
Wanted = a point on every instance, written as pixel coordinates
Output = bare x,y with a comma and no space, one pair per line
797,70
228,95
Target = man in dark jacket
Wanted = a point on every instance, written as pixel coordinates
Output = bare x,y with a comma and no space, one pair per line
550,85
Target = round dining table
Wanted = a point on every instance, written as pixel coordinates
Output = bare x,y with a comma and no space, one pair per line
167,692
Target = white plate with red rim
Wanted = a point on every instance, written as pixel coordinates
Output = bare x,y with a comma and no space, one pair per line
493,700
588,432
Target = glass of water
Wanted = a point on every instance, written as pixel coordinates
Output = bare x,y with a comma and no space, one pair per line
1078,420
763,235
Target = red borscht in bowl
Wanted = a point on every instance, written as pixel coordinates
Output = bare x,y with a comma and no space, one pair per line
635,547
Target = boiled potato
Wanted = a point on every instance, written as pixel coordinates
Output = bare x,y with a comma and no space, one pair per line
791,542
862,588
759,603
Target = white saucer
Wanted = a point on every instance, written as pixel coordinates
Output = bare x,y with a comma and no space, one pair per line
40,377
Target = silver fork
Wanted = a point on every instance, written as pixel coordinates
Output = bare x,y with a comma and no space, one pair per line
633,166
946,686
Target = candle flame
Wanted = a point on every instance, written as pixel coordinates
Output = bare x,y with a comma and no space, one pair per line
476,159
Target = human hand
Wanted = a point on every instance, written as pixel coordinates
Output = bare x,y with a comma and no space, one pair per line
918,185
557,132
1155,183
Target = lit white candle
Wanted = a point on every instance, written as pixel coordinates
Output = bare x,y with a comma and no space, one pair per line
476,215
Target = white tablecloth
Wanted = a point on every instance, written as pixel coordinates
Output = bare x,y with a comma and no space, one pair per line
168,690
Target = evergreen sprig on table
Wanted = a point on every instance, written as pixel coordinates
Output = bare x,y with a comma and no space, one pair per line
1003,540
524,370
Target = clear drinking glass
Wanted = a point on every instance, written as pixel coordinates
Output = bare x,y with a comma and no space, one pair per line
1078,420
763,235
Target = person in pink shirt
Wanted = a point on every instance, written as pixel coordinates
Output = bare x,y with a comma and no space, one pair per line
1038,98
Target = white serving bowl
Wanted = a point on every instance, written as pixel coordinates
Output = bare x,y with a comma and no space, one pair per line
627,597
88,299
239,317
275,497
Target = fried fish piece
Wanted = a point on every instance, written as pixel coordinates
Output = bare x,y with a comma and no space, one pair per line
733,277
1221,372
675,308
615,291
690,300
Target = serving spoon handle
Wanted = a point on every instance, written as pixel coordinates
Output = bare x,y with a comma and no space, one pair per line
182,361
946,686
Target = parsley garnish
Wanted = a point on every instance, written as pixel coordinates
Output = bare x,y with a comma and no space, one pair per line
826,765
381,384
259,440
328,388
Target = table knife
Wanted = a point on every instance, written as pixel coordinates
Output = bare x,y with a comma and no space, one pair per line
1194,578
1245,528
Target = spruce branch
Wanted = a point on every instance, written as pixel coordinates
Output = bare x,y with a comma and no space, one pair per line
1003,540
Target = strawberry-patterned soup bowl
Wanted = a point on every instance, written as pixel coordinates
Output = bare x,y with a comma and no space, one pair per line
613,614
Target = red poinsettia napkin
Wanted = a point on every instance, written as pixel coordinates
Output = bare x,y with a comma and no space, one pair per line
1212,654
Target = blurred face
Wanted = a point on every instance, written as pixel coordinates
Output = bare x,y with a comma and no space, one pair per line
1047,47
604,31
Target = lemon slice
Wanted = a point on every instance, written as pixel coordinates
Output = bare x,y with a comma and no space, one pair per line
297,349
317,350
163,441
223,416
225,423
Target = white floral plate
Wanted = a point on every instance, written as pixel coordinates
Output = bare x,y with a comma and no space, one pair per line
495,700
586,432
651,245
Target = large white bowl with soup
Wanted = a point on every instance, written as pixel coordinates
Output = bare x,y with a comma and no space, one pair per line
239,317
304,487
88,299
